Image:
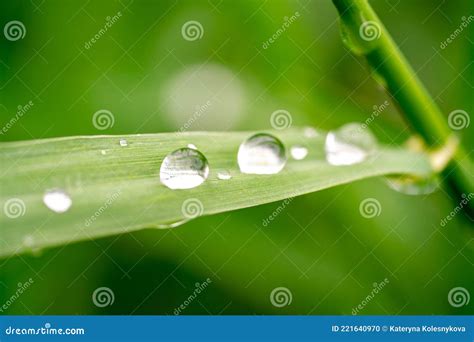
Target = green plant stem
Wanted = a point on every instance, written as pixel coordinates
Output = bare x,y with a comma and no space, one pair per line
400,80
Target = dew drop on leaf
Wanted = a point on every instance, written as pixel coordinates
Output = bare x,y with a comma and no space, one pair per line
298,152
224,175
123,142
57,200
184,168
350,144
172,225
413,186
261,154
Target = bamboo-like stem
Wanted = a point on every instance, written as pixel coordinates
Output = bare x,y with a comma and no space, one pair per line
366,35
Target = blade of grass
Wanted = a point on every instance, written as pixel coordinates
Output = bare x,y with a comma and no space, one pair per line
117,189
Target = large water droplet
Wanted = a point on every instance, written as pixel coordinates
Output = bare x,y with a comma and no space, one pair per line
184,168
57,200
224,175
261,154
350,144
413,186
298,152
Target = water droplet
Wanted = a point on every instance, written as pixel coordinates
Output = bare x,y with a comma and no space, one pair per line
184,168
172,225
192,146
362,41
298,152
413,186
350,144
123,142
224,175
261,154
310,132
349,40
57,200
103,152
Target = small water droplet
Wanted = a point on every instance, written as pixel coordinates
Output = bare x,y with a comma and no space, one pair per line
192,146
413,186
103,152
310,132
224,175
172,225
261,154
184,168
298,152
123,142
350,144
57,200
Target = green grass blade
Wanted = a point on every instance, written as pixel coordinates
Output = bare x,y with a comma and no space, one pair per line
120,191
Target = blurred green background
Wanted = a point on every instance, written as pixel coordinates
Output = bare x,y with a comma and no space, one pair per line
152,79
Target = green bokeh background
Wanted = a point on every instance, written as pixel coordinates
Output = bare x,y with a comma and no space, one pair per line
320,247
